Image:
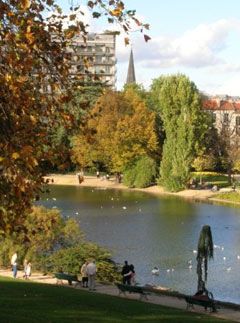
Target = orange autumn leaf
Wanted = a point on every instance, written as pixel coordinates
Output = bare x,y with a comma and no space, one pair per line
25,4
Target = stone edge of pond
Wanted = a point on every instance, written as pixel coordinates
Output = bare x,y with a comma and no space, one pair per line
172,293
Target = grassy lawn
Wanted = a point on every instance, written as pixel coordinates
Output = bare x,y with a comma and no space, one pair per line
229,196
31,302
212,178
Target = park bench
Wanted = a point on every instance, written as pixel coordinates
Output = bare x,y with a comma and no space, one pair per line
70,278
205,301
132,289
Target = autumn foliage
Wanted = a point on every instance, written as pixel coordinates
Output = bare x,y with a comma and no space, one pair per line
118,130
35,84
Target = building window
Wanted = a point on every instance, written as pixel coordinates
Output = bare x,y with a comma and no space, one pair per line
225,118
98,59
238,125
108,70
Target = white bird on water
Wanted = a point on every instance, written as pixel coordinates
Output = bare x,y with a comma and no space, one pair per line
238,257
124,207
155,271
224,258
190,267
194,251
168,270
229,268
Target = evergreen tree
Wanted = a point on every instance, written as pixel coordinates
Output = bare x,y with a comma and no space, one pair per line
179,105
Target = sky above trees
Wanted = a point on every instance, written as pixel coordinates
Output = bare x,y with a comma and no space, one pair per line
199,38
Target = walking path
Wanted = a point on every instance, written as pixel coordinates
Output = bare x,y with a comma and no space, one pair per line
170,301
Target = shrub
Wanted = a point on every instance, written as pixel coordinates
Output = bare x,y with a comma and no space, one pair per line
141,174
129,177
145,171
51,243
71,259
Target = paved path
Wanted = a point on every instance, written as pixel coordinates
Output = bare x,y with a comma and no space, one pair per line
225,313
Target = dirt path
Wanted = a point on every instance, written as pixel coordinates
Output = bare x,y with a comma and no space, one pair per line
169,301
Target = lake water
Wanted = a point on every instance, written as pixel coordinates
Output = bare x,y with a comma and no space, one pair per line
149,230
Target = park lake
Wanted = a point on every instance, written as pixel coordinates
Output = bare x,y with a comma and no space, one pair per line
148,231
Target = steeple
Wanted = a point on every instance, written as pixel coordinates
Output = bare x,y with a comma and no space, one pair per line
131,71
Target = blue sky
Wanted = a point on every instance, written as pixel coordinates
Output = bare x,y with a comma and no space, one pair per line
200,38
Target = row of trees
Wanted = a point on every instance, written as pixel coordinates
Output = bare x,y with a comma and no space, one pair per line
135,131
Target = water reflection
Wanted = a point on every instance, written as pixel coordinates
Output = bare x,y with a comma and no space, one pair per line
151,231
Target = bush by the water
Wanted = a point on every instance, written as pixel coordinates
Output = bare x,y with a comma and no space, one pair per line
71,259
141,174
51,243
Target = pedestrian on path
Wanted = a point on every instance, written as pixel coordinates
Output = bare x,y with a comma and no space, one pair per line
14,264
91,272
126,274
84,274
28,270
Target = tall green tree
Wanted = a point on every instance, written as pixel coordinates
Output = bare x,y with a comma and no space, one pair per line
179,105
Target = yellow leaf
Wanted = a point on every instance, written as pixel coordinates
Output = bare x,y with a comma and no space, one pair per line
25,4
8,77
33,119
15,155
1,159
116,12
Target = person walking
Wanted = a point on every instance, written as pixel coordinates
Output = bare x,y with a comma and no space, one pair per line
132,275
126,276
91,272
84,274
14,264
28,270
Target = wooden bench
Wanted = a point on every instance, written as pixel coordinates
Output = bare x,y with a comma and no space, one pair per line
70,278
201,300
132,289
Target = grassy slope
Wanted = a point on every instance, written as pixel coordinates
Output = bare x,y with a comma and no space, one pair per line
229,196
212,178
32,302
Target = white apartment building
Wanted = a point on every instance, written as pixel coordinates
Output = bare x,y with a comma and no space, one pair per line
95,59
225,113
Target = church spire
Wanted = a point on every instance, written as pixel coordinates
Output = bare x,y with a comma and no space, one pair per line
131,71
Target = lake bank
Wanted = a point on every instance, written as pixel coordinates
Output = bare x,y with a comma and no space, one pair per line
136,226
92,181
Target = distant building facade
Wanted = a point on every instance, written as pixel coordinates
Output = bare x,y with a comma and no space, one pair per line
94,61
225,112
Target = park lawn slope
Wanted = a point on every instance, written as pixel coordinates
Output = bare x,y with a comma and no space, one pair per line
233,196
33,302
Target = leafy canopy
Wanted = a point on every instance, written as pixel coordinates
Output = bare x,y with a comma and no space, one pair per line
35,85
118,130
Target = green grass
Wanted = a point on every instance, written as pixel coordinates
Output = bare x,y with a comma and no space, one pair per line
229,196
212,178
31,302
